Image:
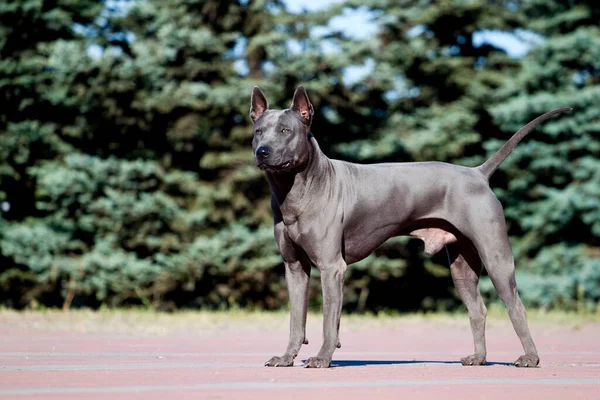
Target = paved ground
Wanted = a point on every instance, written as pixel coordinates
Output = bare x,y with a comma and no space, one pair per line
62,356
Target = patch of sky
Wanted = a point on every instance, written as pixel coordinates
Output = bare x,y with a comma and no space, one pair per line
515,44
299,6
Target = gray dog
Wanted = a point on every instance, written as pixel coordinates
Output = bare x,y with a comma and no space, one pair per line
331,213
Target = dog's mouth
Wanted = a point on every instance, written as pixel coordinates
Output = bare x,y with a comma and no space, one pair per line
275,168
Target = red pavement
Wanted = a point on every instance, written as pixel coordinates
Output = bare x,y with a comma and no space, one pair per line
410,360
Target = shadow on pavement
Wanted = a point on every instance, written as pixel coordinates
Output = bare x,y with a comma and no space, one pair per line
360,363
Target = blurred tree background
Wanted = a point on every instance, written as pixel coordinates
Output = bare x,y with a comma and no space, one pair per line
126,175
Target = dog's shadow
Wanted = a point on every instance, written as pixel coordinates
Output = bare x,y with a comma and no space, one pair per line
363,363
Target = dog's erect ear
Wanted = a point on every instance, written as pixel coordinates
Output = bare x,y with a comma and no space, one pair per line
301,104
258,104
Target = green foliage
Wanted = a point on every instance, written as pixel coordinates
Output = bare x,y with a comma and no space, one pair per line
126,175
438,79
550,185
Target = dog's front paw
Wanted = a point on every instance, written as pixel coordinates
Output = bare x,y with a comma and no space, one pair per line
317,362
284,361
473,359
528,360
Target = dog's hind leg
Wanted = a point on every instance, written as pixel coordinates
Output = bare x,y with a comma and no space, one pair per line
494,249
466,268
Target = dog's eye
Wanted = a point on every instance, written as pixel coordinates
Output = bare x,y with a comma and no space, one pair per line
258,132
284,130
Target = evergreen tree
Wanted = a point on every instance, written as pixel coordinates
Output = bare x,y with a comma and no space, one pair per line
550,185
118,176
439,75
31,35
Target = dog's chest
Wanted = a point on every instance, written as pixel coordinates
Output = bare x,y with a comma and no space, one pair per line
292,231
309,236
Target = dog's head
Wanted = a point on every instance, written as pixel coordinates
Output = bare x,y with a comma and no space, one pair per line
281,137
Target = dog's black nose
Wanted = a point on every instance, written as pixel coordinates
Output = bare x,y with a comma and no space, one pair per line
263,152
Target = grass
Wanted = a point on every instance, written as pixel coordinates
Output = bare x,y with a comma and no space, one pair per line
148,322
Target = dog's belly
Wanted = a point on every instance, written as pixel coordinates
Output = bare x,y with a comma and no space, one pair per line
358,245
358,248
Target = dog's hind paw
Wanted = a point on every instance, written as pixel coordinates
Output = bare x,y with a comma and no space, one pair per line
317,362
284,361
528,361
473,360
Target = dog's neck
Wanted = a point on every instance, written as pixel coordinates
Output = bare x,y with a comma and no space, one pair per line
290,188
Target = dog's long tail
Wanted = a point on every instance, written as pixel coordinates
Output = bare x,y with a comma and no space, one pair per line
492,164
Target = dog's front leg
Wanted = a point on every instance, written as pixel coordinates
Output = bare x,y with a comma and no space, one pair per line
297,275
332,281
